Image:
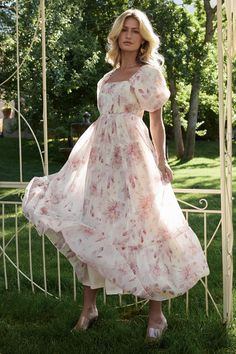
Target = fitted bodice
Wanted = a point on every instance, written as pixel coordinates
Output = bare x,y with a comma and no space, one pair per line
146,90
118,97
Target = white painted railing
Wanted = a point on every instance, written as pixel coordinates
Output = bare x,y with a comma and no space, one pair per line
12,218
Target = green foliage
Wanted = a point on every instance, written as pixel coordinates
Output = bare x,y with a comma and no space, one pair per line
76,42
73,54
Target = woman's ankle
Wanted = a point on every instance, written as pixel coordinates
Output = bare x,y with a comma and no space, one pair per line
156,318
90,308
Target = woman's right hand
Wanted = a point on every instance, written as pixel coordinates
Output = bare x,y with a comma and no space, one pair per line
166,172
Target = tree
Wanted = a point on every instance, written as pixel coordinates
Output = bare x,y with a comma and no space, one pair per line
200,56
186,40
76,41
7,47
73,53
174,30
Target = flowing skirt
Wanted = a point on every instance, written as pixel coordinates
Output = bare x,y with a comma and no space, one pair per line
108,211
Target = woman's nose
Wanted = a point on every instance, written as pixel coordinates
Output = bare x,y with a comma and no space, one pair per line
128,34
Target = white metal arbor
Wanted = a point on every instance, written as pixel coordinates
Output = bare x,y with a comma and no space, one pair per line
226,49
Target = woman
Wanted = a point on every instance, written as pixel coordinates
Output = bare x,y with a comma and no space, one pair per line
111,209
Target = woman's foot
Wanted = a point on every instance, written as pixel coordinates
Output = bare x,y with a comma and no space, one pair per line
156,327
87,318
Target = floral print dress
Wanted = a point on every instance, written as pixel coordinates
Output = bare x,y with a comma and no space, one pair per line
108,211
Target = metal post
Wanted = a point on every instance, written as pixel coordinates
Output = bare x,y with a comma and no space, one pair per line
18,88
225,132
45,128
229,204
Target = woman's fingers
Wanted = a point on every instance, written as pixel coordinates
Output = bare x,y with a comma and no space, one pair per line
169,173
166,173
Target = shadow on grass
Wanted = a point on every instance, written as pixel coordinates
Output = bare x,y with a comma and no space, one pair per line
194,164
196,183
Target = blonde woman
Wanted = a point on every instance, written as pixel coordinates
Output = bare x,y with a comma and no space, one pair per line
111,209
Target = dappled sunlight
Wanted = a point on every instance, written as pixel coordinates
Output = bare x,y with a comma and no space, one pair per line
196,162
188,181
11,215
6,192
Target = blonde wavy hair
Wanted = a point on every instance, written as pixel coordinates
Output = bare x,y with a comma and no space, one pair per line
148,52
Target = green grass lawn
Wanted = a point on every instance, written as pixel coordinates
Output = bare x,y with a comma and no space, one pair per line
33,323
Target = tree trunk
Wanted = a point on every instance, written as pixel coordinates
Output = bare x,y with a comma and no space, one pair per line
192,118
179,144
194,98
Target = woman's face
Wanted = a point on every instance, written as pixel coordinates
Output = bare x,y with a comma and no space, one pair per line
129,38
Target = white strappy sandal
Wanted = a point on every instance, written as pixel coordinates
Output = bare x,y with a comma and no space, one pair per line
155,334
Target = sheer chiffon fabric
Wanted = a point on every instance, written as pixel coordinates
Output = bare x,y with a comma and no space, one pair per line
108,211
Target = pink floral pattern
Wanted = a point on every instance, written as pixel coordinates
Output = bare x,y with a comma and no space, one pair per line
107,209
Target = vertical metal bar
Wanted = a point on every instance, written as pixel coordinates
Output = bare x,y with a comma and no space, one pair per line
187,293
45,128
222,153
169,305
120,299
229,203
30,259
44,265
17,249
205,250
187,303
104,296
3,247
59,273
74,285
18,88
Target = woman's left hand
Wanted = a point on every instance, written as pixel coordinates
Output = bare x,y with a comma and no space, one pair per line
166,172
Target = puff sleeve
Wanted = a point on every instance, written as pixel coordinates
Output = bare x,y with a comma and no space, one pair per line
150,88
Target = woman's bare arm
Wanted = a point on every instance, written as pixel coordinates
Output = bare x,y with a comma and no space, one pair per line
159,140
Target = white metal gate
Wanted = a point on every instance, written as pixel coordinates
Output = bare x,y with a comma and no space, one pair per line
11,210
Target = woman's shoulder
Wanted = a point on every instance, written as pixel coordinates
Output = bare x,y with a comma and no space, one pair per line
105,77
145,74
152,68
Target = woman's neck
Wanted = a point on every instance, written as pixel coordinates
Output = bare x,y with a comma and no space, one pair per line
128,60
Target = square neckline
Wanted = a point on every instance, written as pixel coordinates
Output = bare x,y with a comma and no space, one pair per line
127,80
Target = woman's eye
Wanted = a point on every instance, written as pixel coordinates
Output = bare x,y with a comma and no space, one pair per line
124,29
